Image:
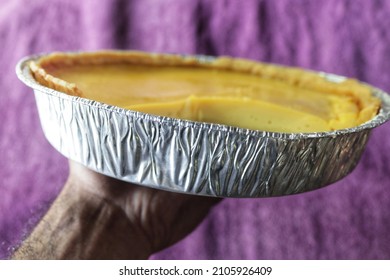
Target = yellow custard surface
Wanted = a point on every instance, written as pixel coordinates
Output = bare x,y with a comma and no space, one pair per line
290,102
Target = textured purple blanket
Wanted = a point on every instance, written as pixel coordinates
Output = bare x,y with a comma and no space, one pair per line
348,220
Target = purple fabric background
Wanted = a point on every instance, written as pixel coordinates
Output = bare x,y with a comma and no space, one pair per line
348,220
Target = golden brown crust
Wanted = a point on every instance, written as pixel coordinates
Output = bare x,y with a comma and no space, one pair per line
52,82
296,77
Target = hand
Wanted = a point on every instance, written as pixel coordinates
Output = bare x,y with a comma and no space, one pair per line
98,217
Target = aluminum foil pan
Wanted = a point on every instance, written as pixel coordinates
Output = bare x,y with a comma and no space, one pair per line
197,158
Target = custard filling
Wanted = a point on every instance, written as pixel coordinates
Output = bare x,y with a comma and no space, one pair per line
221,96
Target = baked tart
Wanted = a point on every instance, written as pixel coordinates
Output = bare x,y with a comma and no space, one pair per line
234,92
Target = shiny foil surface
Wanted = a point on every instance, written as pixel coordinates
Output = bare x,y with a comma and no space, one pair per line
197,158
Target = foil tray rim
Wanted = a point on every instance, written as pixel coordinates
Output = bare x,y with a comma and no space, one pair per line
23,73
